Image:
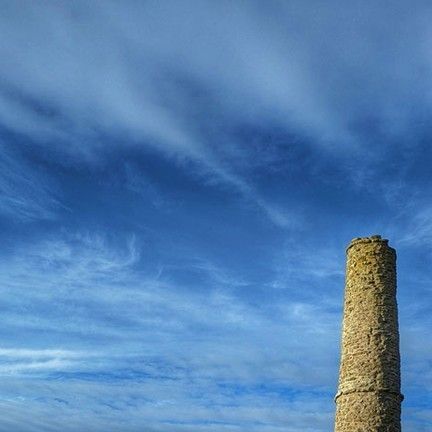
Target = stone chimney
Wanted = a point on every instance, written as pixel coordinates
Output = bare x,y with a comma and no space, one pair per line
369,397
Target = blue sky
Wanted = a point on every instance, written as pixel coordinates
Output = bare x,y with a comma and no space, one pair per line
178,183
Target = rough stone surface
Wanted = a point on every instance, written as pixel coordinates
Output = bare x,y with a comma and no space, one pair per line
368,397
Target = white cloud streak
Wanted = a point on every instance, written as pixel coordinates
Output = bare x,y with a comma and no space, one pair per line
176,359
178,77
25,193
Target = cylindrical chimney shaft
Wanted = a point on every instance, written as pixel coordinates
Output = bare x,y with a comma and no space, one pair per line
369,397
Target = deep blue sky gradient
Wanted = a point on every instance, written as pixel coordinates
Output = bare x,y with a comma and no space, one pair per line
178,183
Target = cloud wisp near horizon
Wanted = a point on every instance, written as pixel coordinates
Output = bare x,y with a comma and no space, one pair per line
178,182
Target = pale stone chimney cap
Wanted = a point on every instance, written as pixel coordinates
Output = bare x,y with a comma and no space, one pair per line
371,239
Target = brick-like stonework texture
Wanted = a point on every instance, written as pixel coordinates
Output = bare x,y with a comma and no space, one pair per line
368,397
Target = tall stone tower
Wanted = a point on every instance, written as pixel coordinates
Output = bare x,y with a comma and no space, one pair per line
369,397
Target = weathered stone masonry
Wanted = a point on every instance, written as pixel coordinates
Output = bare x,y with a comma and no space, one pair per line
368,397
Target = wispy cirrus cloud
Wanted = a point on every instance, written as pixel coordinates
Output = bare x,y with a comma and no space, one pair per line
127,71
175,79
129,327
26,194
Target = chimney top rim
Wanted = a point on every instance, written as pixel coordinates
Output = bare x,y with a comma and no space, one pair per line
371,239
